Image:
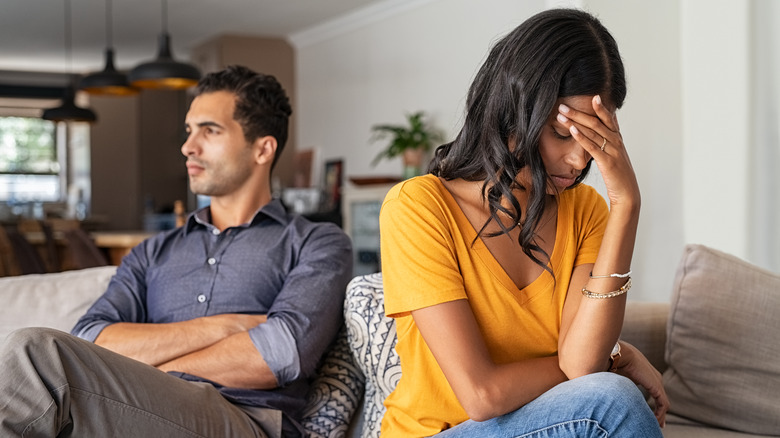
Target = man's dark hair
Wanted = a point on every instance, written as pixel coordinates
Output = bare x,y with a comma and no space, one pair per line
262,106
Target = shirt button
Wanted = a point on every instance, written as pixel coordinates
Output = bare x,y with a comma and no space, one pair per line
215,232
201,298
212,260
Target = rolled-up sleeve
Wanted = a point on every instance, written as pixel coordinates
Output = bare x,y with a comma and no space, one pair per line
123,300
307,314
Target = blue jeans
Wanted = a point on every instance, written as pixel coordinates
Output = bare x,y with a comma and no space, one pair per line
596,405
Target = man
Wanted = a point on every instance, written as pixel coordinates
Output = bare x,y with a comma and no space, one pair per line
237,306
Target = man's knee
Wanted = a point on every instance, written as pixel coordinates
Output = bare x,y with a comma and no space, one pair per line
28,339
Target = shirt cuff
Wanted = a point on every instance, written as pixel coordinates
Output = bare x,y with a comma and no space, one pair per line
276,343
91,331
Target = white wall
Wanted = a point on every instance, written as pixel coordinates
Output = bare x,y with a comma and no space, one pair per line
765,126
651,124
685,114
416,58
716,111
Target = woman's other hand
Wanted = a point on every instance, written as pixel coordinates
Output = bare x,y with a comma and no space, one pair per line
634,365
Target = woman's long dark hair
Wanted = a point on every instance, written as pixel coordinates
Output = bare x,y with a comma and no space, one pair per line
556,53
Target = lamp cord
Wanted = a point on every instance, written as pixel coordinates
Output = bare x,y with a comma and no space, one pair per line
165,16
109,26
68,54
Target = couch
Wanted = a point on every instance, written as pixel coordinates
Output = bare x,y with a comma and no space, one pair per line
715,343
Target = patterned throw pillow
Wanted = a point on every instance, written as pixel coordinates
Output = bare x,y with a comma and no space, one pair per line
372,339
335,392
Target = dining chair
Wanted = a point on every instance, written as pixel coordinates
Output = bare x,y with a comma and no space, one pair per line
25,254
83,251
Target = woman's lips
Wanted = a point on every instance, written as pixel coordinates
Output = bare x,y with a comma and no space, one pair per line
561,181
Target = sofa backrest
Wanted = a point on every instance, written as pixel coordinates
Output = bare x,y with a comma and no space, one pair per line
722,343
50,300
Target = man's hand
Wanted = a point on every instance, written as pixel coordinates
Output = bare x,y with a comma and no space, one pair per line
233,361
155,344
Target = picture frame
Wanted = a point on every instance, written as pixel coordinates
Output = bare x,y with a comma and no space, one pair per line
332,182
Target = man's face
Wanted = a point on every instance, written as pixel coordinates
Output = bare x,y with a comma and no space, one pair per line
219,159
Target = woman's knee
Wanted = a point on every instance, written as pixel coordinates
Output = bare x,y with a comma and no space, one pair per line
606,389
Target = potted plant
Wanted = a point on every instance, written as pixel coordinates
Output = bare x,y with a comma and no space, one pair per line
410,141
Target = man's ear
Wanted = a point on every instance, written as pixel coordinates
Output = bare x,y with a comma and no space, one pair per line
265,149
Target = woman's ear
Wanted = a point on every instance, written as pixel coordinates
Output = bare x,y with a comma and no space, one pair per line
265,149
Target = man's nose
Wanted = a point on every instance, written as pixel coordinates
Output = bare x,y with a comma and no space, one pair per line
188,147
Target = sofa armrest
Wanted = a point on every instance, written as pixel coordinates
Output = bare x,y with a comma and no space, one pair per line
644,327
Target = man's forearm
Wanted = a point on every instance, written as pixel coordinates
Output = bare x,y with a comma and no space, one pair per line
233,361
155,344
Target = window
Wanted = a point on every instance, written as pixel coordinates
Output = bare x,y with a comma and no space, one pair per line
29,162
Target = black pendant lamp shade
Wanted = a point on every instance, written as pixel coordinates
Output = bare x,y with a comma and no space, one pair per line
164,72
68,111
109,81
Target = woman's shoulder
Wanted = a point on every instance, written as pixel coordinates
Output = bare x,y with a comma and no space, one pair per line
417,189
422,197
584,203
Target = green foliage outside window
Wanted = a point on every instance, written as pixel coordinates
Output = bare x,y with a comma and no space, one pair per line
27,146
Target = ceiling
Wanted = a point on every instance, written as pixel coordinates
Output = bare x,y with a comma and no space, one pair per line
32,32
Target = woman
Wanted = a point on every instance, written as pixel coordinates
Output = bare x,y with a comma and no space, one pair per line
506,276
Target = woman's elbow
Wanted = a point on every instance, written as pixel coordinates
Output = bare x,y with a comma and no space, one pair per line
482,404
577,367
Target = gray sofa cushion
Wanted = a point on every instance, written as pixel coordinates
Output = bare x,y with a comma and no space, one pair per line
644,327
722,347
50,300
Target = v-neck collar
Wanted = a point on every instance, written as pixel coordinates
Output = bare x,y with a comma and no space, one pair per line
540,283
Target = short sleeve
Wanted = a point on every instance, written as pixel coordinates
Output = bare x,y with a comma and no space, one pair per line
419,260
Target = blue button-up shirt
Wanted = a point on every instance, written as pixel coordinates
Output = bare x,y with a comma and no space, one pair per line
279,264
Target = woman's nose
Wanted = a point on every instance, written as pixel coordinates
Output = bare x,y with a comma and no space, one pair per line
577,157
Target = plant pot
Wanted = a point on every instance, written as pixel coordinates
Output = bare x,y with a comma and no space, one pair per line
413,159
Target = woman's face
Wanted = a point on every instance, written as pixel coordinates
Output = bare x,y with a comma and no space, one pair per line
564,158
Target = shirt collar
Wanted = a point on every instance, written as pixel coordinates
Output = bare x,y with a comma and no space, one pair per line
274,210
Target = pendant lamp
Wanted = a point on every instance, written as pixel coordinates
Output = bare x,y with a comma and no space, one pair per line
68,111
109,81
164,72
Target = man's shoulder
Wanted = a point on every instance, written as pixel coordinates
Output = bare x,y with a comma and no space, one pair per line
308,231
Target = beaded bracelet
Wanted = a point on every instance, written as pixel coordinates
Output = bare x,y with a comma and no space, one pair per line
623,289
626,275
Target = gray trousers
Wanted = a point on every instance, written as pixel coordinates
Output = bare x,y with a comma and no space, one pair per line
53,384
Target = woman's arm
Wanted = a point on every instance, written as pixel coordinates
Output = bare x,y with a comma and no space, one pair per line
590,326
484,389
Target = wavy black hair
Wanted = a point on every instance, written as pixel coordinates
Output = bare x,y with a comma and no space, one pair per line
556,53
262,106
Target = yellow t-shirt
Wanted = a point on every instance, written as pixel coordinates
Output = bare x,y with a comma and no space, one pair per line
428,258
